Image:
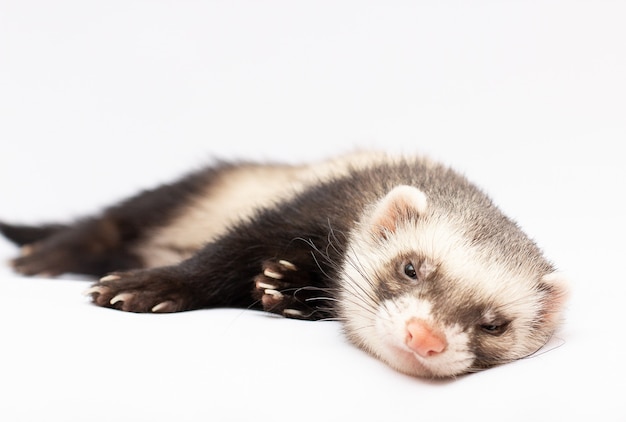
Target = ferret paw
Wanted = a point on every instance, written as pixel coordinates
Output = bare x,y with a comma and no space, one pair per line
38,260
283,289
140,291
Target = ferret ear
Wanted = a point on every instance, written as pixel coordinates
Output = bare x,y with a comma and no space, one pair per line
556,288
401,203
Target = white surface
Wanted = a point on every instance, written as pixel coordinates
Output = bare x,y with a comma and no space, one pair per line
99,99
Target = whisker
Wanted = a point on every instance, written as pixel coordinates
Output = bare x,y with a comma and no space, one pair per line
359,269
361,297
540,352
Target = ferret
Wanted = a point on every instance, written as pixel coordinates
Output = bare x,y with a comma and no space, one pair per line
422,270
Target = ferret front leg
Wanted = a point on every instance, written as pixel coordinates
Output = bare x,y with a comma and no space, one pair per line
285,289
206,280
280,288
162,289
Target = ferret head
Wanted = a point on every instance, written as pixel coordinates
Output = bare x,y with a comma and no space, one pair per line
438,290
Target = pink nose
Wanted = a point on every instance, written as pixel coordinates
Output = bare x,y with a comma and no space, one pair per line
424,340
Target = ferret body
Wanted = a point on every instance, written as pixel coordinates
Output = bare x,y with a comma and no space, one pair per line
421,268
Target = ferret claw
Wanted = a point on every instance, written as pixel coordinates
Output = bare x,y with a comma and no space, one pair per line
272,274
122,297
293,312
110,277
275,293
261,285
95,289
163,307
287,265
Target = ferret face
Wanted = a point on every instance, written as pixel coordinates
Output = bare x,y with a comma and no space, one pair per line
430,301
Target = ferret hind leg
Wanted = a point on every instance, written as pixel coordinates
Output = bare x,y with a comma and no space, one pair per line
90,247
107,242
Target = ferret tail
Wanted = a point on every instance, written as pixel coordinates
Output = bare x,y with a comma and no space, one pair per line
23,235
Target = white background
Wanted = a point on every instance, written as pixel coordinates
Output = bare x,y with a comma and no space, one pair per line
100,99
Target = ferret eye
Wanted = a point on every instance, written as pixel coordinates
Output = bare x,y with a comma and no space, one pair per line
409,271
493,329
